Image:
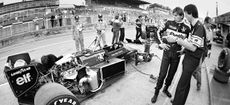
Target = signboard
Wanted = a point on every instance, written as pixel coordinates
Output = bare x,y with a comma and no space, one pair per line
22,79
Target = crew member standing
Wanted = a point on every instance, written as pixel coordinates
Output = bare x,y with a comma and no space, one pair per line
209,37
77,34
100,27
116,23
122,29
194,50
171,55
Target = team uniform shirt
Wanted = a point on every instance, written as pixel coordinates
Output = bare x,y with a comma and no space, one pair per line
197,38
78,26
100,25
180,30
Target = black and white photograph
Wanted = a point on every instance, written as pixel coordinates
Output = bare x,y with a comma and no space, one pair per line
114,52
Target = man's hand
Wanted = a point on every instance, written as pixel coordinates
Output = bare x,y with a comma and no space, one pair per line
179,40
164,46
171,38
181,52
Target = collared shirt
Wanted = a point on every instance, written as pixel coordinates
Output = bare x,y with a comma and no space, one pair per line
197,38
176,29
78,26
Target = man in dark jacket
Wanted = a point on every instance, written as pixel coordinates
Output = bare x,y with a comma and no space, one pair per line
171,56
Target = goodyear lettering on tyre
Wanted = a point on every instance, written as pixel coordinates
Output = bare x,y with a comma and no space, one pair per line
64,100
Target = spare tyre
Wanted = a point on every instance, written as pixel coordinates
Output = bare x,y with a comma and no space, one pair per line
224,60
54,94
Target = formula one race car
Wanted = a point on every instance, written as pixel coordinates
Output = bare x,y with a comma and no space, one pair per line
65,80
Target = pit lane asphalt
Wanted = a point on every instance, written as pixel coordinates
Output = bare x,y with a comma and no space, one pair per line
133,89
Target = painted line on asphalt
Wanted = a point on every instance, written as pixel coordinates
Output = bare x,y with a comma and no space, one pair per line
43,47
38,48
1,85
209,87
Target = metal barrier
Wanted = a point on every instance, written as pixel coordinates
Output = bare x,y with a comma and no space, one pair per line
23,30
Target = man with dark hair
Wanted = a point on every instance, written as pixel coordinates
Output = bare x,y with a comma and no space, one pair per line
52,19
171,55
60,19
209,37
116,23
194,49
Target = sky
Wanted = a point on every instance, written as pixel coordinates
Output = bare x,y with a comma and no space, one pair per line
205,7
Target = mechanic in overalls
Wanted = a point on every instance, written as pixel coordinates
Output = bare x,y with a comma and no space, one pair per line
77,34
171,55
100,26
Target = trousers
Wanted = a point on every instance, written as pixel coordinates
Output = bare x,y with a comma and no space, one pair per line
190,64
79,41
169,65
122,34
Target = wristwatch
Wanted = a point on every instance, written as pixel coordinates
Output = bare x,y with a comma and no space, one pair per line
160,47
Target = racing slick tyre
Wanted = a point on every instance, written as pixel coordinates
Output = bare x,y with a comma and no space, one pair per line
224,60
54,94
220,76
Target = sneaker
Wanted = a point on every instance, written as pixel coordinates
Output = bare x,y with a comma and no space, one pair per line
167,93
105,46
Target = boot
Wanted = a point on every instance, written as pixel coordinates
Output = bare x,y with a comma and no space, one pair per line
154,98
198,86
166,92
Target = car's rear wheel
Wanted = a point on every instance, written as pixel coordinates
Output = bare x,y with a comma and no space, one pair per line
54,94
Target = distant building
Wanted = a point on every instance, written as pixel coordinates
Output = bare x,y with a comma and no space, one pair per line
223,19
121,3
159,9
223,22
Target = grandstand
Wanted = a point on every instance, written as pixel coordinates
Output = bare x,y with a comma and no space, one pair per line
117,3
20,19
158,8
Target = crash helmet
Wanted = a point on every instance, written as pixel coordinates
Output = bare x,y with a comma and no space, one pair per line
20,62
100,15
116,16
76,17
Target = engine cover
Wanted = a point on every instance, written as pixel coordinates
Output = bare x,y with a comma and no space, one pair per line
112,68
93,59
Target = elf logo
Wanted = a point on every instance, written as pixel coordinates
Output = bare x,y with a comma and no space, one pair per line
26,78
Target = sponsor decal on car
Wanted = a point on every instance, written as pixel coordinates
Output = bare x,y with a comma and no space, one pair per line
22,79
